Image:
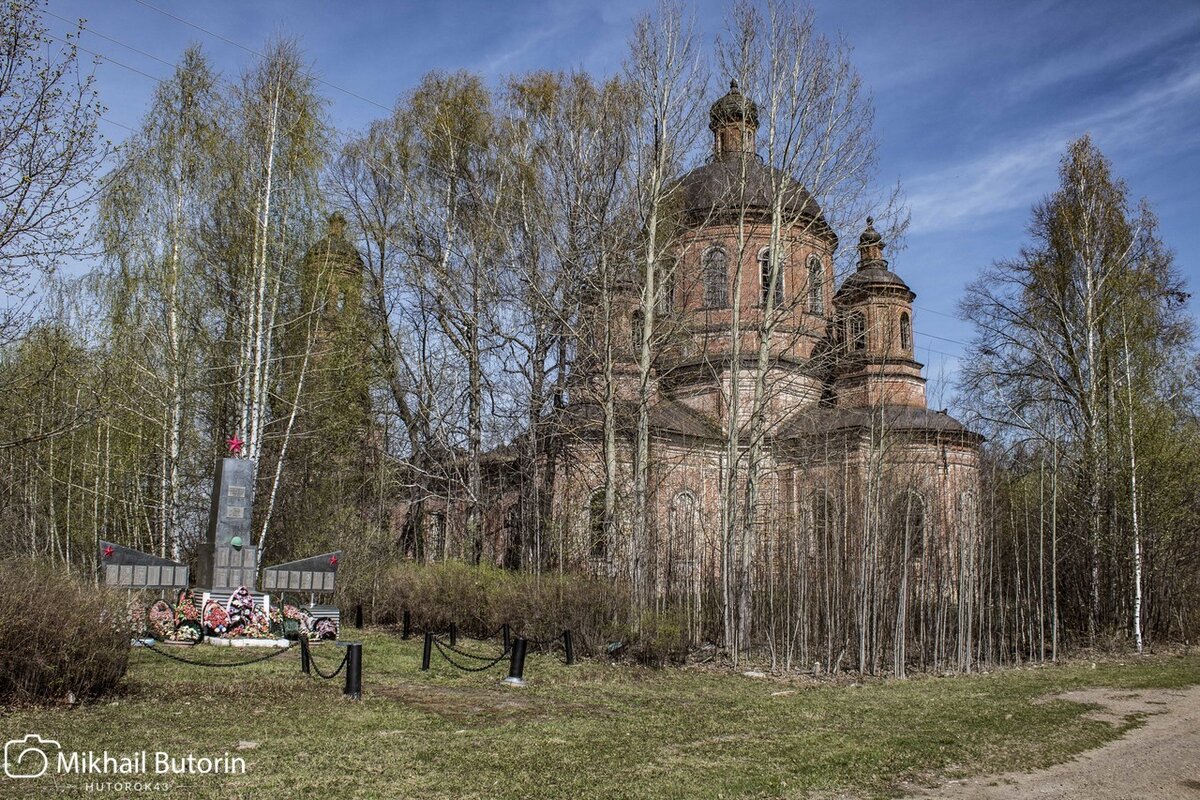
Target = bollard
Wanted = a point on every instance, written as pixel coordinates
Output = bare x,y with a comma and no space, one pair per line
569,646
358,616
453,634
504,632
516,666
353,688
428,651
304,656
407,625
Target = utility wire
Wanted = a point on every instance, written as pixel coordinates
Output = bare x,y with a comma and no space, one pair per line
252,51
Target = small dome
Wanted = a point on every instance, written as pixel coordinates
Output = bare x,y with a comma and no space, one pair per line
873,272
870,236
335,245
734,107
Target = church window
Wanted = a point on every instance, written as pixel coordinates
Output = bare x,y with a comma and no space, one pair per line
821,508
905,332
597,526
681,546
666,287
857,333
716,278
816,280
764,271
908,515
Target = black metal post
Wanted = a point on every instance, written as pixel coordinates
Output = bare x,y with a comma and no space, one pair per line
353,688
304,656
569,646
516,665
407,624
428,651
453,634
504,632
358,616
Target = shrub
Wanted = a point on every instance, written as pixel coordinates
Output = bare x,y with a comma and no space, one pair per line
480,599
60,638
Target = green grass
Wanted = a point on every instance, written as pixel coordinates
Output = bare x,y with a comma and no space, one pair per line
588,731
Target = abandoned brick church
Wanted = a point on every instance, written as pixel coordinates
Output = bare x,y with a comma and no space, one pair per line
851,455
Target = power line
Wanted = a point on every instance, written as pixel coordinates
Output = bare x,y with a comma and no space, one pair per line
252,51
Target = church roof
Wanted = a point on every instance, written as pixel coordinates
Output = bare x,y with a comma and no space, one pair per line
666,416
823,420
725,185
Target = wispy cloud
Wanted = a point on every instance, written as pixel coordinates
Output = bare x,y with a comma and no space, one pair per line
1013,174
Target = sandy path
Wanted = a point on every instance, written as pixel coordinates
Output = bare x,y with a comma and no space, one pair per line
1161,759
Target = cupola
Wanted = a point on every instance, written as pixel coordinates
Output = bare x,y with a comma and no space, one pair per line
733,119
874,309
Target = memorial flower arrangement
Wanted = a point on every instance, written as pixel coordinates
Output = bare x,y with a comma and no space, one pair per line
240,608
162,620
325,629
185,609
216,619
135,616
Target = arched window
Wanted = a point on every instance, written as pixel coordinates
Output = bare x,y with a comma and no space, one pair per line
764,276
857,331
816,286
905,332
637,326
716,278
666,286
821,509
968,517
597,525
682,545
908,520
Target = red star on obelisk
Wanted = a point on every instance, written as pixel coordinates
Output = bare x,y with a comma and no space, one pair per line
108,551
235,443
333,561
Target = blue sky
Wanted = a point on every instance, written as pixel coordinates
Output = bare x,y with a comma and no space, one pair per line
975,101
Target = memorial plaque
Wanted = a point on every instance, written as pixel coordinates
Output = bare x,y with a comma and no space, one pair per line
223,564
133,569
316,574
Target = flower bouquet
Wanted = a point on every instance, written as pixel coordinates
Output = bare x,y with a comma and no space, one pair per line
325,629
240,608
216,619
161,618
185,608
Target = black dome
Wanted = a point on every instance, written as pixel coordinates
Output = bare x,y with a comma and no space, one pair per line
728,185
733,107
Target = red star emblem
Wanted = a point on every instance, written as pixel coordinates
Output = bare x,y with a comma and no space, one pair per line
108,551
333,561
235,443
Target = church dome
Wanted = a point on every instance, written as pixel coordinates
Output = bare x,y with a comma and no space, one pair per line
873,272
336,247
726,186
736,179
733,108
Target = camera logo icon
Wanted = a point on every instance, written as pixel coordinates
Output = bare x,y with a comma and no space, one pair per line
28,757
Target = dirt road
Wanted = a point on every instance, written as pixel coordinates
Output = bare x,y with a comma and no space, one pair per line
1161,759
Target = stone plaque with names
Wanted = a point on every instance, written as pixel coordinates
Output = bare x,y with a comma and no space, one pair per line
126,568
227,556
